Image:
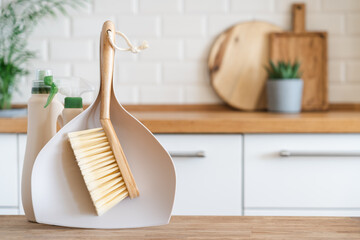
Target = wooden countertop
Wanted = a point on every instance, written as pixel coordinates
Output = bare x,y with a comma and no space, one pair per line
221,119
196,227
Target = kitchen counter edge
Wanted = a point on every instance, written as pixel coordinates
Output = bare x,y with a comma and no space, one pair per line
222,119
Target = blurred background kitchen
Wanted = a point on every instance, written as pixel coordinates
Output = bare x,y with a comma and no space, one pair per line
180,32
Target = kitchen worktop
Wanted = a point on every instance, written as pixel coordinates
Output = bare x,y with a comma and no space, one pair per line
196,227
222,119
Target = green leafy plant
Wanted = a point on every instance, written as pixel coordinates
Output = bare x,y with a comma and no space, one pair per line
283,70
18,19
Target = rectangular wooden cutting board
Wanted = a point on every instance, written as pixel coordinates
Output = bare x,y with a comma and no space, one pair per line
310,49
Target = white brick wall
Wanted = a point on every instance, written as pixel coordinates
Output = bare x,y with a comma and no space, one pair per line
144,26
53,28
139,73
184,73
344,48
218,23
336,71
40,46
311,5
161,94
245,6
88,26
184,26
352,71
70,49
160,6
196,49
180,33
342,5
169,49
87,70
353,21
332,23
114,6
206,6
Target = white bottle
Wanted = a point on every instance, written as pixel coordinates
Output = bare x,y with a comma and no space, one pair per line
42,126
72,107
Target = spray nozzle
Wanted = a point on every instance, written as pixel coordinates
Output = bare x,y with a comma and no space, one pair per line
74,86
48,80
71,87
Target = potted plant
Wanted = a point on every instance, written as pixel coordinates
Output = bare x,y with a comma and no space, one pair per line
17,20
284,87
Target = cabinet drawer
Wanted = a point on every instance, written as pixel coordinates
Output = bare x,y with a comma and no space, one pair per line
209,184
324,177
8,171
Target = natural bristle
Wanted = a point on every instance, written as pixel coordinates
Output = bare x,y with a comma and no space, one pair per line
99,168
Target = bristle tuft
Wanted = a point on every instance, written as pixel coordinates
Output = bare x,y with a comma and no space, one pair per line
99,168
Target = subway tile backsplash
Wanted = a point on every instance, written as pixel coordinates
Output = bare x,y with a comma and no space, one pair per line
180,33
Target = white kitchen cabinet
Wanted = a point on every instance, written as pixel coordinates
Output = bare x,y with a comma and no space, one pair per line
9,181
9,211
212,185
209,185
21,151
303,185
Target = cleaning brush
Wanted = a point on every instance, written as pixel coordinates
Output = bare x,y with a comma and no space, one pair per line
98,152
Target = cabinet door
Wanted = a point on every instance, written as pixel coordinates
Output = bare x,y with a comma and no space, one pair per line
322,180
209,184
8,171
21,150
9,211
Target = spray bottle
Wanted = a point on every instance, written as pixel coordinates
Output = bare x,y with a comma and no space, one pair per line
72,88
43,111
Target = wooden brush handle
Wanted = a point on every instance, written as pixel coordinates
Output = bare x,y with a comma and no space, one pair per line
107,53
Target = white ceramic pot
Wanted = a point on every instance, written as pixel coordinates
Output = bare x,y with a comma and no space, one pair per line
284,95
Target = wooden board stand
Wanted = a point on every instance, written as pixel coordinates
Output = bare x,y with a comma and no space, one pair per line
310,49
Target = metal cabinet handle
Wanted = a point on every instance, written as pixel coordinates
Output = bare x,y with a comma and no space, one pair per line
287,153
185,154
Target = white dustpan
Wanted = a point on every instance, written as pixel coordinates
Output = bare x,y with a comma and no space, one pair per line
60,196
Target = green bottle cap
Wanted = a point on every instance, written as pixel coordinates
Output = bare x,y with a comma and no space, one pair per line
73,102
48,80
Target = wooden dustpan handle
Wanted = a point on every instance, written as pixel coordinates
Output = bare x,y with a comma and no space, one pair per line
107,53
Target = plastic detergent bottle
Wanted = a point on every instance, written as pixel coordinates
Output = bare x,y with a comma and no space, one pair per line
73,106
72,88
43,111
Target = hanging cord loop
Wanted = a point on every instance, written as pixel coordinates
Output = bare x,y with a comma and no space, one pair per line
131,48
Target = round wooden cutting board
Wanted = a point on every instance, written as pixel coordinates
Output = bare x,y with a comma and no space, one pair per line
236,64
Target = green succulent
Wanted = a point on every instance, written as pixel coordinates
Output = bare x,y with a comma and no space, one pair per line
283,70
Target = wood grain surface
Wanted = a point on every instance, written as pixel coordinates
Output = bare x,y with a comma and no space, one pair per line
310,49
223,119
236,64
197,227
